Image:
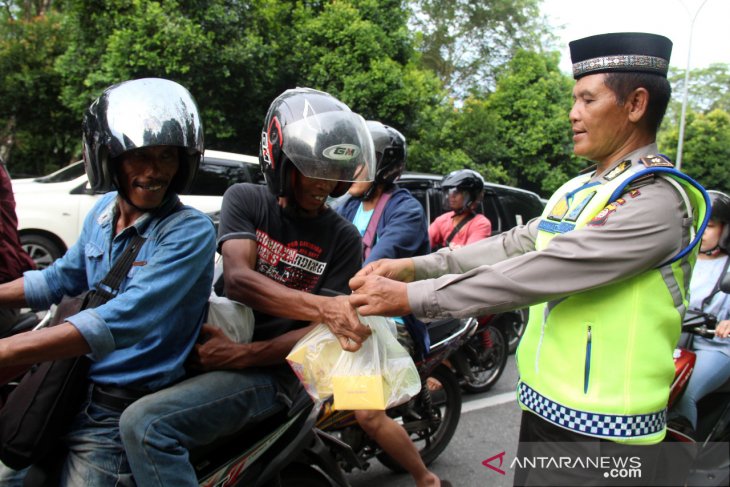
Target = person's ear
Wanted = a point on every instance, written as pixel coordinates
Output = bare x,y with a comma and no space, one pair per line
637,103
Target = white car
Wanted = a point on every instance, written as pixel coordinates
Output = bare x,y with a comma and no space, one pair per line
51,209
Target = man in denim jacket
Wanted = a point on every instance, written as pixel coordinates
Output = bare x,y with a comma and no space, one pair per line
143,138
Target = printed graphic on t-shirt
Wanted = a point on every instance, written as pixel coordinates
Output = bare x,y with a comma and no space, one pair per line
295,265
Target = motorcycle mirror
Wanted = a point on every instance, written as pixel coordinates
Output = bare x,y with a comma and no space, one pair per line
725,283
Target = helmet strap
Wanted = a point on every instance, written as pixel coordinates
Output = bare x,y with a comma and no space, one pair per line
712,252
372,191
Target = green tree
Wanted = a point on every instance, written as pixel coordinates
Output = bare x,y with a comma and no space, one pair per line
235,57
466,42
519,134
531,105
706,150
36,131
361,52
224,53
708,88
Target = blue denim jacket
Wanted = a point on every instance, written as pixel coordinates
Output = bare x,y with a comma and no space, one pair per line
142,337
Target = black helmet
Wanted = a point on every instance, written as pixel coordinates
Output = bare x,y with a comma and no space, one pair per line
390,153
466,180
141,113
721,212
320,135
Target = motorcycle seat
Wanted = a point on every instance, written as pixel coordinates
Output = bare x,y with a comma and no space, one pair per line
25,322
205,459
442,329
724,387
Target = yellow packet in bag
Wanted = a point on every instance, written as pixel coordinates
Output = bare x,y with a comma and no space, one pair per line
358,392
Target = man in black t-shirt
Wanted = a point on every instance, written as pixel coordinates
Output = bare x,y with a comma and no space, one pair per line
282,247
304,253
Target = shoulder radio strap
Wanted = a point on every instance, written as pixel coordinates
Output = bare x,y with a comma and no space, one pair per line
368,239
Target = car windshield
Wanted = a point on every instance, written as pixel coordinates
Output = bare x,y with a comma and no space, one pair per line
64,174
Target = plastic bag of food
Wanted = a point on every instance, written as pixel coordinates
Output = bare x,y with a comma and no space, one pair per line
235,319
380,375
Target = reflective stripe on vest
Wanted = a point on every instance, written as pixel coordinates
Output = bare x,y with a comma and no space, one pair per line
608,426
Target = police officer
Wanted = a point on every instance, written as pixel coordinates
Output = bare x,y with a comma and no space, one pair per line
605,268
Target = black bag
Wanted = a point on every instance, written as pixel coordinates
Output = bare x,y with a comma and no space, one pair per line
48,396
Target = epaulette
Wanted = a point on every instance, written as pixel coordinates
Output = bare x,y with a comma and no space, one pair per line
621,168
641,181
656,160
589,169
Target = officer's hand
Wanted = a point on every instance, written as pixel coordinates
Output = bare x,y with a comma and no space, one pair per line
213,351
722,329
397,269
343,321
377,295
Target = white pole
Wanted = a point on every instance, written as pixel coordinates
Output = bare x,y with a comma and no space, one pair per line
680,142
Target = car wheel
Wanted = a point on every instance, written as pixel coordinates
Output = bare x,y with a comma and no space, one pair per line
41,249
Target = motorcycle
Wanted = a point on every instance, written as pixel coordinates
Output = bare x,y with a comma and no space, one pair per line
284,449
513,324
480,361
27,321
311,445
430,418
708,462
281,450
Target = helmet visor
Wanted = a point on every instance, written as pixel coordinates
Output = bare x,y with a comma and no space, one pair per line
333,145
451,197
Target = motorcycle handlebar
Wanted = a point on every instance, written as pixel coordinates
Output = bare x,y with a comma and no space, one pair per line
699,323
702,331
694,318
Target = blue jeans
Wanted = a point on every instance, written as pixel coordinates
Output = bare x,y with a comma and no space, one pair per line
711,370
95,452
159,429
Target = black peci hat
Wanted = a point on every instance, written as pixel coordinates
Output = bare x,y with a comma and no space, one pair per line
621,51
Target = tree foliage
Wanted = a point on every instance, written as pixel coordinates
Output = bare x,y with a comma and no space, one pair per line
225,53
708,88
469,83
531,104
35,128
706,149
235,57
465,42
361,52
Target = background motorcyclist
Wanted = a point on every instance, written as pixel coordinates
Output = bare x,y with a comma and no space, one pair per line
282,247
401,229
393,225
712,368
143,138
463,191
